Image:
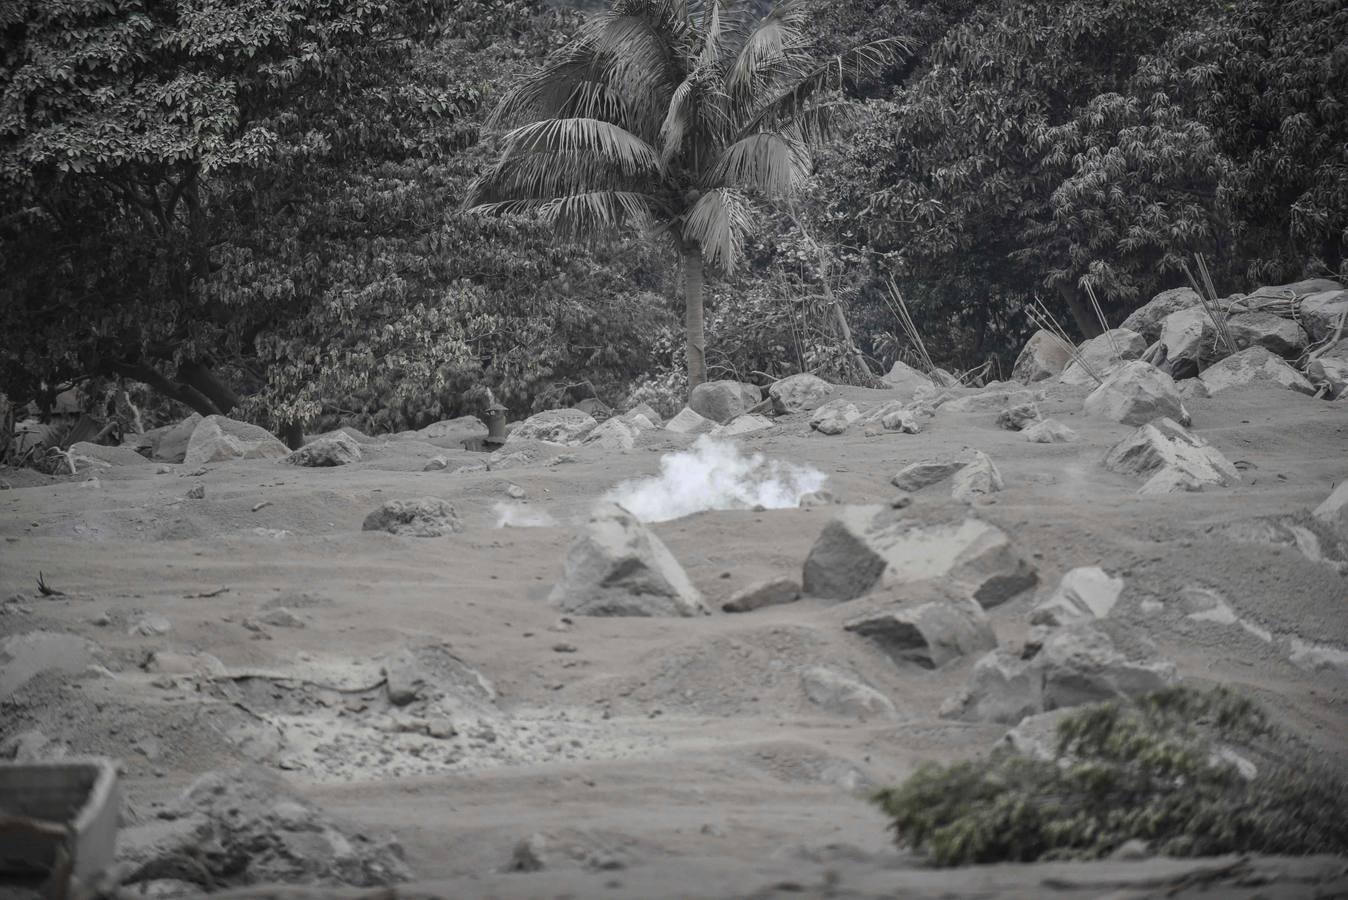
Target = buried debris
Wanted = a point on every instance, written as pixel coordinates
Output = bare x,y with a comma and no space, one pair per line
927,634
421,517
1171,458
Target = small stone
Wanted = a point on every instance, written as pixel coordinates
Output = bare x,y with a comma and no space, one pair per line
764,593
1049,431
150,625
528,855
280,617
197,492
435,464
515,492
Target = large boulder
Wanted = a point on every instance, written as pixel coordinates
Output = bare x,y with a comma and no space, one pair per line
1075,665
918,475
722,401
557,426
1321,311
690,422
1146,320
772,592
172,444
617,434
1102,354
618,567
1171,458
927,634
865,548
334,450
1044,355
746,424
1261,329
102,455
450,434
834,416
420,517
798,393
1135,393
219,439
1191,341
905,377
1255,365
1083,595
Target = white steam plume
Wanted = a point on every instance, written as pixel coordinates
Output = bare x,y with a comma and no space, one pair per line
715,475
518,515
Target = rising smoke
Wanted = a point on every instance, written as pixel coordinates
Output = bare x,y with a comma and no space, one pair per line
715,475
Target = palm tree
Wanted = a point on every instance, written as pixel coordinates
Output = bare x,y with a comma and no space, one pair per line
671,115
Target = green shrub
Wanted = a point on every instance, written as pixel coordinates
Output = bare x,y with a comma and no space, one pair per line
1158,769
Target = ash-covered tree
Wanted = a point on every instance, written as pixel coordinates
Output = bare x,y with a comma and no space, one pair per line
250,206
673,116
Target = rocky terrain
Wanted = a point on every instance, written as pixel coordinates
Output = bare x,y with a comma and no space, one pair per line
636,658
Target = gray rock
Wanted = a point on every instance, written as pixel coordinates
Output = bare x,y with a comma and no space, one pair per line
646,411
798,393
150,625
1100,357
616,434
430,676
842,695
196,492
904,420
916,476
905,377
1037,735
1333,511
1083,595
1321,311
772,592
1170,458
1254,366
928,634
335,450
103,457
1044,356
166,662
746,424
1049,431
1075,665
172,444
1019,417
867,547
834,417
280,617
219,439
618,567
556,426
1191,335
991,399
1274,333
977,479
1146,320
24,655
1135,393
450,434
689,422
722,401
419,517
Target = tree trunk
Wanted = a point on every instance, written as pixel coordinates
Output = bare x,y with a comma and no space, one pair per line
1084,318
197,376
694,325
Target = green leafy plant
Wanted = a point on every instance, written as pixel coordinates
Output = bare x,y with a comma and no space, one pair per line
1164,769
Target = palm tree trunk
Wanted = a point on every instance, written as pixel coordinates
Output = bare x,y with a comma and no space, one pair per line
694,324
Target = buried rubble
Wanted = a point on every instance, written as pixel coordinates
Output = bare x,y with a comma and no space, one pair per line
1049,431
798,393
773,592
834,416
246,826
421,517
1084,594
337,449
1171,458
1073,665
618,567
864,548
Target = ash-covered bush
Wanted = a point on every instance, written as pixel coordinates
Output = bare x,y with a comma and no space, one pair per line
1165,768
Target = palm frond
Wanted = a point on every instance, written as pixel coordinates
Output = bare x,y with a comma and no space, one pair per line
718,224
827,78
607,143
771,162
777,39
595,212
543,94
547,175
696,108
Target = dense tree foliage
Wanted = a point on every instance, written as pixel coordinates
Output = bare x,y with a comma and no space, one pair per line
1043,144
258,205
